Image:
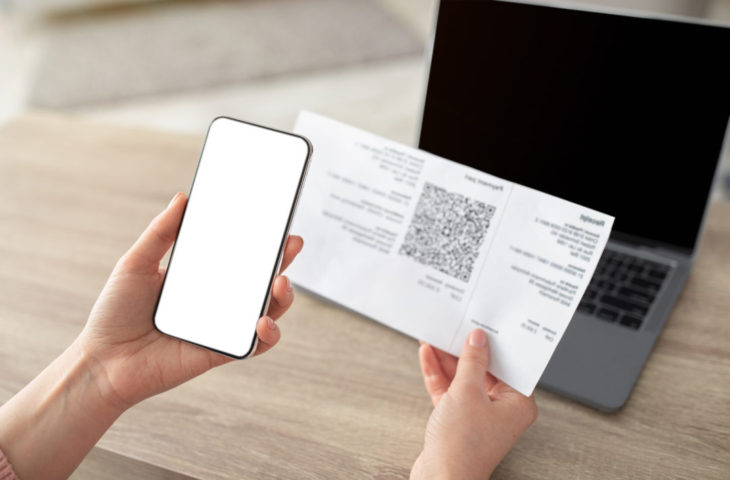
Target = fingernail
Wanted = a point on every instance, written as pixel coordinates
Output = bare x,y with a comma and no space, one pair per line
288,285
478,338
172,202
271,322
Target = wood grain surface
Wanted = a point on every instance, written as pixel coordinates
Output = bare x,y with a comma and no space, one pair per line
341,396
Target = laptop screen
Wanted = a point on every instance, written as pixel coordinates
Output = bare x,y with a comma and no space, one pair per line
622,114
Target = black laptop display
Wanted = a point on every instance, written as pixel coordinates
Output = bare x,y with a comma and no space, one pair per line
623,114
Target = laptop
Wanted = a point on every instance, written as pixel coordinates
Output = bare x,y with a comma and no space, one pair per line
624,114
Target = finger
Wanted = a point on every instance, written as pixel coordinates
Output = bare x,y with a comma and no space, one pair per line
282,296
521,409
490,381
502,391
474,360
448,362
499,389
292,248
437,384
519,406
157,238
268,333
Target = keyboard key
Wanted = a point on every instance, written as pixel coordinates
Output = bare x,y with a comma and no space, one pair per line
607,314
660,267
639,295
620,277
625,304
586,307
647,284
657,274
606,285
590,294
631,321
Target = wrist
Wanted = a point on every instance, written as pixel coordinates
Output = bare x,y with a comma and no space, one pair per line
92,382
58,417
433,467
445,466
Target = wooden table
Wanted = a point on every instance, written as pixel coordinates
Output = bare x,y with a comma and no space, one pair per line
341,396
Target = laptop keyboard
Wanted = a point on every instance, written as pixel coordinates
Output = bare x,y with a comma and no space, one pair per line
623,288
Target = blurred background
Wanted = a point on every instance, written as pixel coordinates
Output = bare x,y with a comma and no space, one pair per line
174,65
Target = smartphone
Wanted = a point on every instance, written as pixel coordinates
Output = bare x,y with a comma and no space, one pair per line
232,236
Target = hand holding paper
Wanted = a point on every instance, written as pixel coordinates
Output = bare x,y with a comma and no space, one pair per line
433,248
476,419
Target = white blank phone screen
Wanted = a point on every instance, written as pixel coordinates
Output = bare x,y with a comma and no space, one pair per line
219,275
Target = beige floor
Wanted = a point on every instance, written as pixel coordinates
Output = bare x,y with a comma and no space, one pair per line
383,96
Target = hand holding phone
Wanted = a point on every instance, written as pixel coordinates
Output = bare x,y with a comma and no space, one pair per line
119,359
231,240
129,359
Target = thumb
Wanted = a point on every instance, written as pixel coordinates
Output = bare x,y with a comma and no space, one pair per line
158,237
474,359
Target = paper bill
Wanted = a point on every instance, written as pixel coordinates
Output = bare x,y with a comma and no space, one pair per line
434,249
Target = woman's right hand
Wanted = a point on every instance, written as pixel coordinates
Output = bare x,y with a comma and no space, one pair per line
477,419
133,359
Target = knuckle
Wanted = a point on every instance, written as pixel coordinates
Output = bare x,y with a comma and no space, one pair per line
474,357
161,234
282,301
124,262
469,391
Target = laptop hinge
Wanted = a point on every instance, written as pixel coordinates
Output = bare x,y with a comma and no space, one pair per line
647,244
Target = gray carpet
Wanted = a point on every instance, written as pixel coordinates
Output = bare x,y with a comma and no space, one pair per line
175,46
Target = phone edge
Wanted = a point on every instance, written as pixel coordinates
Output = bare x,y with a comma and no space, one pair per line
277,264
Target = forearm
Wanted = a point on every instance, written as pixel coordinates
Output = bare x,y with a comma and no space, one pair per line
48,427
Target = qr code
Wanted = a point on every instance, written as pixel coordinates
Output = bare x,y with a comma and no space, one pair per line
447,231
